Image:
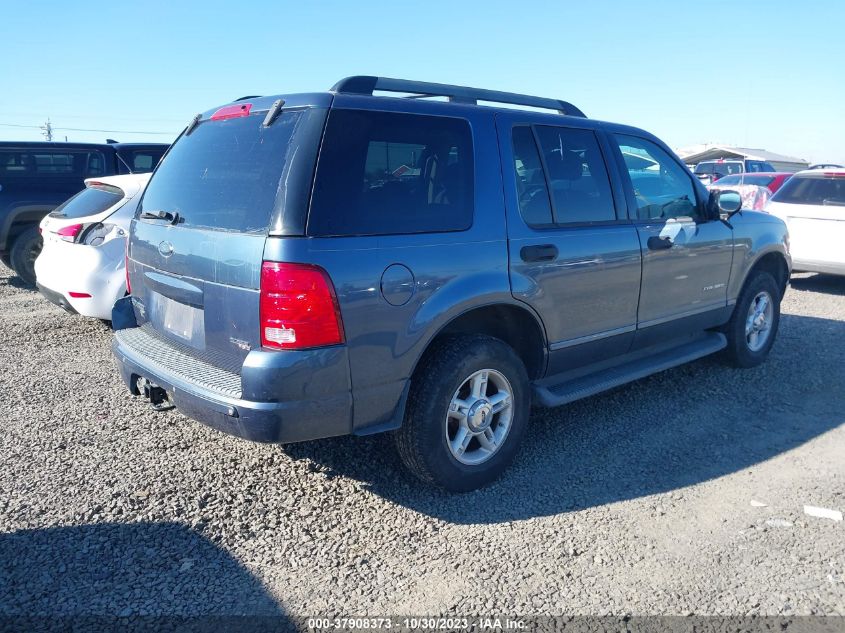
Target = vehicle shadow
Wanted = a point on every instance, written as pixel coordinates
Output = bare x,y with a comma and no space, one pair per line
689,425
826,284
156,576
8,277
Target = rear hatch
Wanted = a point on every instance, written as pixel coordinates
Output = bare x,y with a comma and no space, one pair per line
194,259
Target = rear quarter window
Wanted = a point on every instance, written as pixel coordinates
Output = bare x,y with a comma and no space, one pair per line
142,161
382,173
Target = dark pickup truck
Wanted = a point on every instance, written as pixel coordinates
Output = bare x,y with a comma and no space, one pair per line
36,177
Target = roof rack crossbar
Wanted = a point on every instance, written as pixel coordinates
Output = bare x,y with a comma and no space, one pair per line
366,85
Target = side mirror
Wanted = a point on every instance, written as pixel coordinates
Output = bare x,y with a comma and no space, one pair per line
729,202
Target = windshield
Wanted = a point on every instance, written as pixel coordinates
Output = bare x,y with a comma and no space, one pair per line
812,190
224,174
90,201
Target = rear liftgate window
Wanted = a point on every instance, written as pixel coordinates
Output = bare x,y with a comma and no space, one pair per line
225,174
384,173
90,201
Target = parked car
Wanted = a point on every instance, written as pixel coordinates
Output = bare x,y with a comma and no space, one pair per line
812,203
709,171
35,178
81,265
315,265
771,180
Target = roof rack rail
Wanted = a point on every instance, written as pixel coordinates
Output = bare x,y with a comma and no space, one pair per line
366,85
247,97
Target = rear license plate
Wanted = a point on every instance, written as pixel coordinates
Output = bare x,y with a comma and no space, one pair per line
183,321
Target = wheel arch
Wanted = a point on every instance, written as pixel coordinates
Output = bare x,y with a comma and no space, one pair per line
514,324
20,218
773,262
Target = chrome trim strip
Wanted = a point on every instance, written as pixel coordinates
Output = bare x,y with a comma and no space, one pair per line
591,337
708,308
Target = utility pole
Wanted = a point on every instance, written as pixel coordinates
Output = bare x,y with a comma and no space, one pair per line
47,130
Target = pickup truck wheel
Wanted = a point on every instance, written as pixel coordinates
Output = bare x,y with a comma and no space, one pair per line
752,329
467,412
25,250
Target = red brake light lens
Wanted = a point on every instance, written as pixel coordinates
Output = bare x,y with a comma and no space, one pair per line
69,233
232,112
298,307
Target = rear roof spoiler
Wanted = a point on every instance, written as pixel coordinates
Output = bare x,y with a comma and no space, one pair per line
367,84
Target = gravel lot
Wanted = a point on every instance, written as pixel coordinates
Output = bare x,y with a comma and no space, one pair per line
638,501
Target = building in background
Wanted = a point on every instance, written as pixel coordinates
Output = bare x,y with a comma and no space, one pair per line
696,153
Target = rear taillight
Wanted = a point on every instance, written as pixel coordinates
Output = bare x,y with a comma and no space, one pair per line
298,307
69,233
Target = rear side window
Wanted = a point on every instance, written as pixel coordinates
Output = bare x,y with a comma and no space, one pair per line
89,201
576,175
225,174
531,186
827,191
382,173
40,164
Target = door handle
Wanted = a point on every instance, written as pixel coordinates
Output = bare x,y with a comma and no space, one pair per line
656,243
538,253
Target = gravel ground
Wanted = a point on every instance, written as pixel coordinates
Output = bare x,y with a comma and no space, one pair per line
645,500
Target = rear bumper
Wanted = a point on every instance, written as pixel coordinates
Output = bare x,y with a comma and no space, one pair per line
55,297
324,410
810,266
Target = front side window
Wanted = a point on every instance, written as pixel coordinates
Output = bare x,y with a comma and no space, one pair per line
662,187
383,173
576,175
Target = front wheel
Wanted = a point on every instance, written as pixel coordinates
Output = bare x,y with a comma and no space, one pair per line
752,329
467,412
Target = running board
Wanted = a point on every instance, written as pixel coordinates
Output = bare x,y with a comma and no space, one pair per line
557,394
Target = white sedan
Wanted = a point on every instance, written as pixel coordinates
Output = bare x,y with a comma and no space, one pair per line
812,203
82,264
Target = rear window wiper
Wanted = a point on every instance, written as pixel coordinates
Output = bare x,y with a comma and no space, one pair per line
172,217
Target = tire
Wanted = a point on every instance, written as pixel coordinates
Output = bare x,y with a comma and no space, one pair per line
432,424
4,257
25,249
744,349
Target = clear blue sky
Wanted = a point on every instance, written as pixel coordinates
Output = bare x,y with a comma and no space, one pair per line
757,74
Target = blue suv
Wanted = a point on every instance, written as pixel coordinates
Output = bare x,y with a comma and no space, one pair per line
315,265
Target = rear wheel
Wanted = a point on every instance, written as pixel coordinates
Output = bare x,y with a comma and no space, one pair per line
466,415
25,250
752,329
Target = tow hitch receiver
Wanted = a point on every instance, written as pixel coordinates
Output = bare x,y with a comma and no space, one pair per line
159,400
